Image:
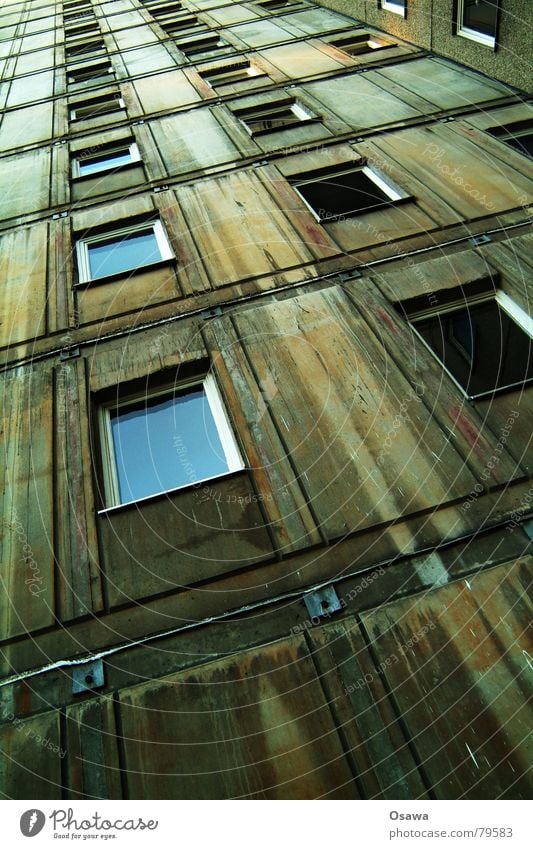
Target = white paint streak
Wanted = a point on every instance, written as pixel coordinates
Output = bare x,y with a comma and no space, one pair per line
470,752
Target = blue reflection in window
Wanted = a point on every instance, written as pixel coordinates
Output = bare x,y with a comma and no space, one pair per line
104,162
165,442
130,251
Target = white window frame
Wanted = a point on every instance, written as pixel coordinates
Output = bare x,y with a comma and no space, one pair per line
193,41
83,245
371,41
74,117
225,432
270,109
131,147
225,76
94,72
392,191
505,135
510,307
393,7
472,34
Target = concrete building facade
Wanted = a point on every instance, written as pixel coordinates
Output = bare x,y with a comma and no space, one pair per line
265,343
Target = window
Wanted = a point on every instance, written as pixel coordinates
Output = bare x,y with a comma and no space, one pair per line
206,44
336,194
96,106
397,6
177,24
273,116
112,158
518,135
82,48
78,7
484,344
72,17
123,250
356,44
477,19
157,9
160,441
77,30
92,72
240,73
276,4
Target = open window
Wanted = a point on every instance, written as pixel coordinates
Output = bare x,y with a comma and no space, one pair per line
274,5
159,440
84,49
399,7
360,43
478,20
90,72
241,74
335,194
104,158
518,135
96,106
121,251
273,116
201,45
484,343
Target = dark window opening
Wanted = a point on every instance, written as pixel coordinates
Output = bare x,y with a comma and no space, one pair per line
480,16
481,346
346,193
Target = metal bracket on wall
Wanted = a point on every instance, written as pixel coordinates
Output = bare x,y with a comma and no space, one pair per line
479,240
88,676
212,313
69,353
322,602
353,274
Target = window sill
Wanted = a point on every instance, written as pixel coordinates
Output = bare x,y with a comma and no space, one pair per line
394,9
120,275
127,166
266,132
160,496
472,35
344,216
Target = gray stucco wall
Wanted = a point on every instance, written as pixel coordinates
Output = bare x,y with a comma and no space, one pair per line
428,23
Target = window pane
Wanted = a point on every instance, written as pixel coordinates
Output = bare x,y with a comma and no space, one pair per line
164,443
108,160
523,143
130,251
480,15
481,346
343,194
